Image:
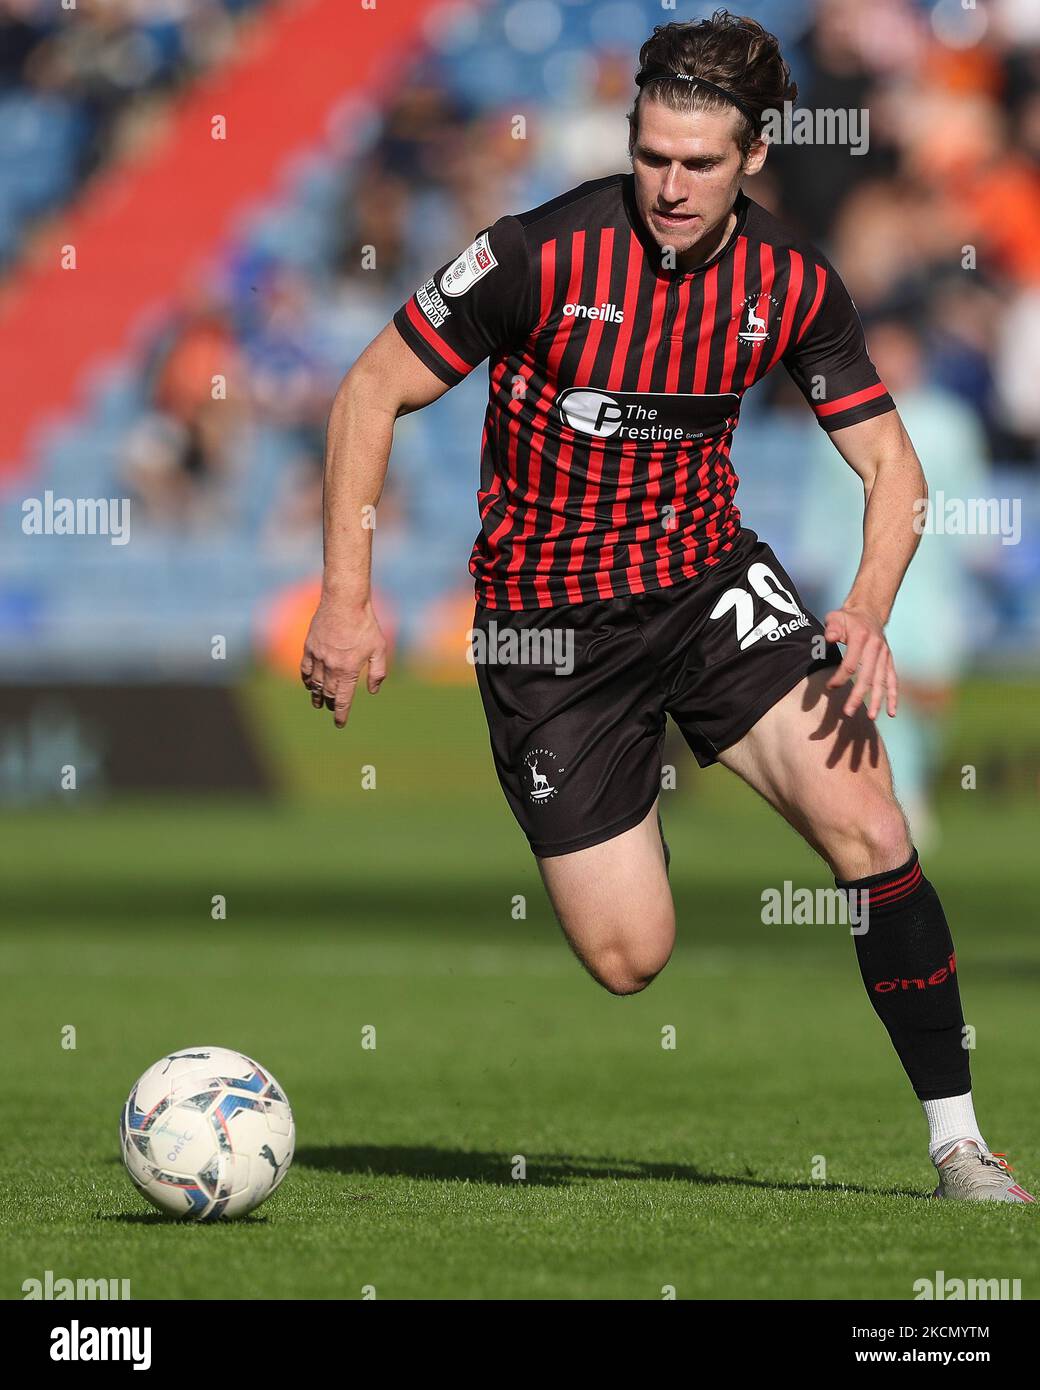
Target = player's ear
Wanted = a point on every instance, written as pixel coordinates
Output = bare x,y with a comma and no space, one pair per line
756,156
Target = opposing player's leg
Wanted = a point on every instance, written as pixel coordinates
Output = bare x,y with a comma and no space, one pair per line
615,907
828,775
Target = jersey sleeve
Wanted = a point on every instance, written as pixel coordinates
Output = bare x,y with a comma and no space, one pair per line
828,358
477,302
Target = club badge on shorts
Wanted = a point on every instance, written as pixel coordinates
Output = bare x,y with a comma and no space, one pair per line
542,774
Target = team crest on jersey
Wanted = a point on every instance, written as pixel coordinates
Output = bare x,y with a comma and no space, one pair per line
755,314
541,774
471,266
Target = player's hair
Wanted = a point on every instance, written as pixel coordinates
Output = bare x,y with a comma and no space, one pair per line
731,52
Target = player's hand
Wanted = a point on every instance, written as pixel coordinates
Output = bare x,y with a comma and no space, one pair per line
343,639
868,660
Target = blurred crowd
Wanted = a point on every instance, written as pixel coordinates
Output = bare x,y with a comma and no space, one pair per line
81,83
934,228
937,223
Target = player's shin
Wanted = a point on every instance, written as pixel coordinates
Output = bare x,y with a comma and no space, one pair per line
909,967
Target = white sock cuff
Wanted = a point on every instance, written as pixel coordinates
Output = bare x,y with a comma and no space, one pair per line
950,1119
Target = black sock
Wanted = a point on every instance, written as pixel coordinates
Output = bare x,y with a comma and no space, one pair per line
908,965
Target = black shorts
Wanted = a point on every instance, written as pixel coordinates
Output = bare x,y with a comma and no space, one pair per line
576,696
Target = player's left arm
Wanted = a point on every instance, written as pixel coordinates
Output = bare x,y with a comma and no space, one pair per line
879,451
828,361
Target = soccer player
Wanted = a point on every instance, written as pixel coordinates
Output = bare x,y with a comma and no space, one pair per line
623,322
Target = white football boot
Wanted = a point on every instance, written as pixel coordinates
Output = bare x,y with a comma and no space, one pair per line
968,1172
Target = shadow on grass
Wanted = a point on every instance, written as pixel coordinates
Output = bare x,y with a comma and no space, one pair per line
156,1218
543,1170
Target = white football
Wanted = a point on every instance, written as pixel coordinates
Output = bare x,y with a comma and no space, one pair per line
207,1133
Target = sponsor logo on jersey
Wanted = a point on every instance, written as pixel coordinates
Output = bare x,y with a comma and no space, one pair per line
471,266
432,305
754,312
646,416
610,312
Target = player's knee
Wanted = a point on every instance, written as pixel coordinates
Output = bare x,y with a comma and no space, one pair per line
620,976
888,837
628,968
878,839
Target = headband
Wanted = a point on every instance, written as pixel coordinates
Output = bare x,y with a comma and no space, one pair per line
656,73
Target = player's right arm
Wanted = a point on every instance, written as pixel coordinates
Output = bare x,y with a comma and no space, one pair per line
387,380
475,303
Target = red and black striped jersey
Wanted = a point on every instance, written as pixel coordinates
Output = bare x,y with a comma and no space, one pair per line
616,383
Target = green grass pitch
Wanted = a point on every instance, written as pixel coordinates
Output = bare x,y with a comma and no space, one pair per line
647,1168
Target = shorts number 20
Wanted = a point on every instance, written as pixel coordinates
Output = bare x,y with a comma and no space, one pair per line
766,585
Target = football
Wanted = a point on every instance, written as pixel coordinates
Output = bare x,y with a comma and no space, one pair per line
206,1133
